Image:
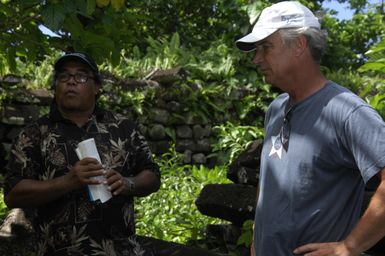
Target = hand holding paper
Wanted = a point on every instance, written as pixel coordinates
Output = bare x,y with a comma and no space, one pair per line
87,148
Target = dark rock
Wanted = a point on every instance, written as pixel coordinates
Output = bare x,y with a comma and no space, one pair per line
182,145
168,76
225,237
173,106
228,233
198,158
245,168
156,132
232,202
191,118
143,130
184,132
16,114
200,132
247,176
203,146
160,116
11,79
164,248
187,154
44,96
159,147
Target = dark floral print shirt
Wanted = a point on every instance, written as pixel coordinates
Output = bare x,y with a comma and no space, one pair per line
72,224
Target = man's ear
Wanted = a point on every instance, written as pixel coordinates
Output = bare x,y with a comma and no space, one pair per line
300,45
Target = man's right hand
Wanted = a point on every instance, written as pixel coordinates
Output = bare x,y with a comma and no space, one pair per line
84,172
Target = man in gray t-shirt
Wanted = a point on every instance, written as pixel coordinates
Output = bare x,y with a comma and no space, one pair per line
322,145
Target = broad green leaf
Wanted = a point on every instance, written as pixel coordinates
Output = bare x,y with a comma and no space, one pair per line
373,66
53,16
73,25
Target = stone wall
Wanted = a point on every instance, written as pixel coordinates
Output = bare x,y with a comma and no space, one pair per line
167,118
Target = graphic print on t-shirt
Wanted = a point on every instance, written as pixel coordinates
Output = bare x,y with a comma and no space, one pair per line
276,146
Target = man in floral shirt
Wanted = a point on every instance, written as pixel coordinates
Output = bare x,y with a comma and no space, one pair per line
44,172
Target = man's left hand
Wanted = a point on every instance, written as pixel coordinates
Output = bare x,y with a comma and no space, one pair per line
115,182
325,249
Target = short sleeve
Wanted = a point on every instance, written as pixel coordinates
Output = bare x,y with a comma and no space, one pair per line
365,137
143,159
24,158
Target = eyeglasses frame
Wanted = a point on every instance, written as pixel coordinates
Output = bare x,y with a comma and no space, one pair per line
75,77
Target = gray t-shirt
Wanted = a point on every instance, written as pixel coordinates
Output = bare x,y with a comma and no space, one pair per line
314,167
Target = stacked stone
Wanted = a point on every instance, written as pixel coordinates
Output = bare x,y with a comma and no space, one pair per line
190,135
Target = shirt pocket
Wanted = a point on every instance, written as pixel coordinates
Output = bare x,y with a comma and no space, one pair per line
305,181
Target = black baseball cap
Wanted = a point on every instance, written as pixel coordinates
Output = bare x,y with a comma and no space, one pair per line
77,56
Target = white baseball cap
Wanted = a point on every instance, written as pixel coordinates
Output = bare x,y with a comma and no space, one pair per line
287,14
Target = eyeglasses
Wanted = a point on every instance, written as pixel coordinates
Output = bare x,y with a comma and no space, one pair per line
78,77
284,134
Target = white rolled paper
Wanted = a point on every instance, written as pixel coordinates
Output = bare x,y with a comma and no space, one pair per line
87,148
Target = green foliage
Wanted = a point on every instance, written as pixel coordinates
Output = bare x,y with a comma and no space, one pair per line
3,96
170,214
210,90
349,79
39,76
376,62
3,207
378,103
348,40
104,28
197,22
123,101
204,103
234,139
164,53
216,63
375,67
246,237
371,88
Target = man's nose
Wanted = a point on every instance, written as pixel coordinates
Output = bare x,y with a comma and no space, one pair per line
71,79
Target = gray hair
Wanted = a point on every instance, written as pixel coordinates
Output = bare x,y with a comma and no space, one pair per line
315,37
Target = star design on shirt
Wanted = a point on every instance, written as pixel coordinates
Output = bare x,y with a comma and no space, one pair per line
276,147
